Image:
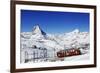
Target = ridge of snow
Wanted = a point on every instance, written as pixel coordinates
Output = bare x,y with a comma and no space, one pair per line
40,38
76,31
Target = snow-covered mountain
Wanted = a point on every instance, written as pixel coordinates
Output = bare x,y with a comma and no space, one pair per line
66,40
38,32
47,45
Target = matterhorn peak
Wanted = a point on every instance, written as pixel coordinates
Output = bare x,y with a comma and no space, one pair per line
38,30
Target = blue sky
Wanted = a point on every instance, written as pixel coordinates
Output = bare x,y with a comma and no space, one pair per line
54,22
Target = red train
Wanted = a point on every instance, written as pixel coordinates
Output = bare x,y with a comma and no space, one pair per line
68,52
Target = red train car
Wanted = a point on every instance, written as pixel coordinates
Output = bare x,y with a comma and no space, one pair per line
68,52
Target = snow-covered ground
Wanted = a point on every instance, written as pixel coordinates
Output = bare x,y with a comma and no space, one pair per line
78,57
38,41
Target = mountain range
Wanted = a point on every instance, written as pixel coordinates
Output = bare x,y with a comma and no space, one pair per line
39,38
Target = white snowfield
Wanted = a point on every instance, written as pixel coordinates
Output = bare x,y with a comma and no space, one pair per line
38,42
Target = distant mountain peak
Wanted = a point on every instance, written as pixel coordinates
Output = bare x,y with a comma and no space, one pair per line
76,31
38,30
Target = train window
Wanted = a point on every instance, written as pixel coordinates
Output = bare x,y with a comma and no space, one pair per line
70,50
73,50
67,53
76,52
58,54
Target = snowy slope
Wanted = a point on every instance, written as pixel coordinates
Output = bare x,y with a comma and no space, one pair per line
54,43
67,40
